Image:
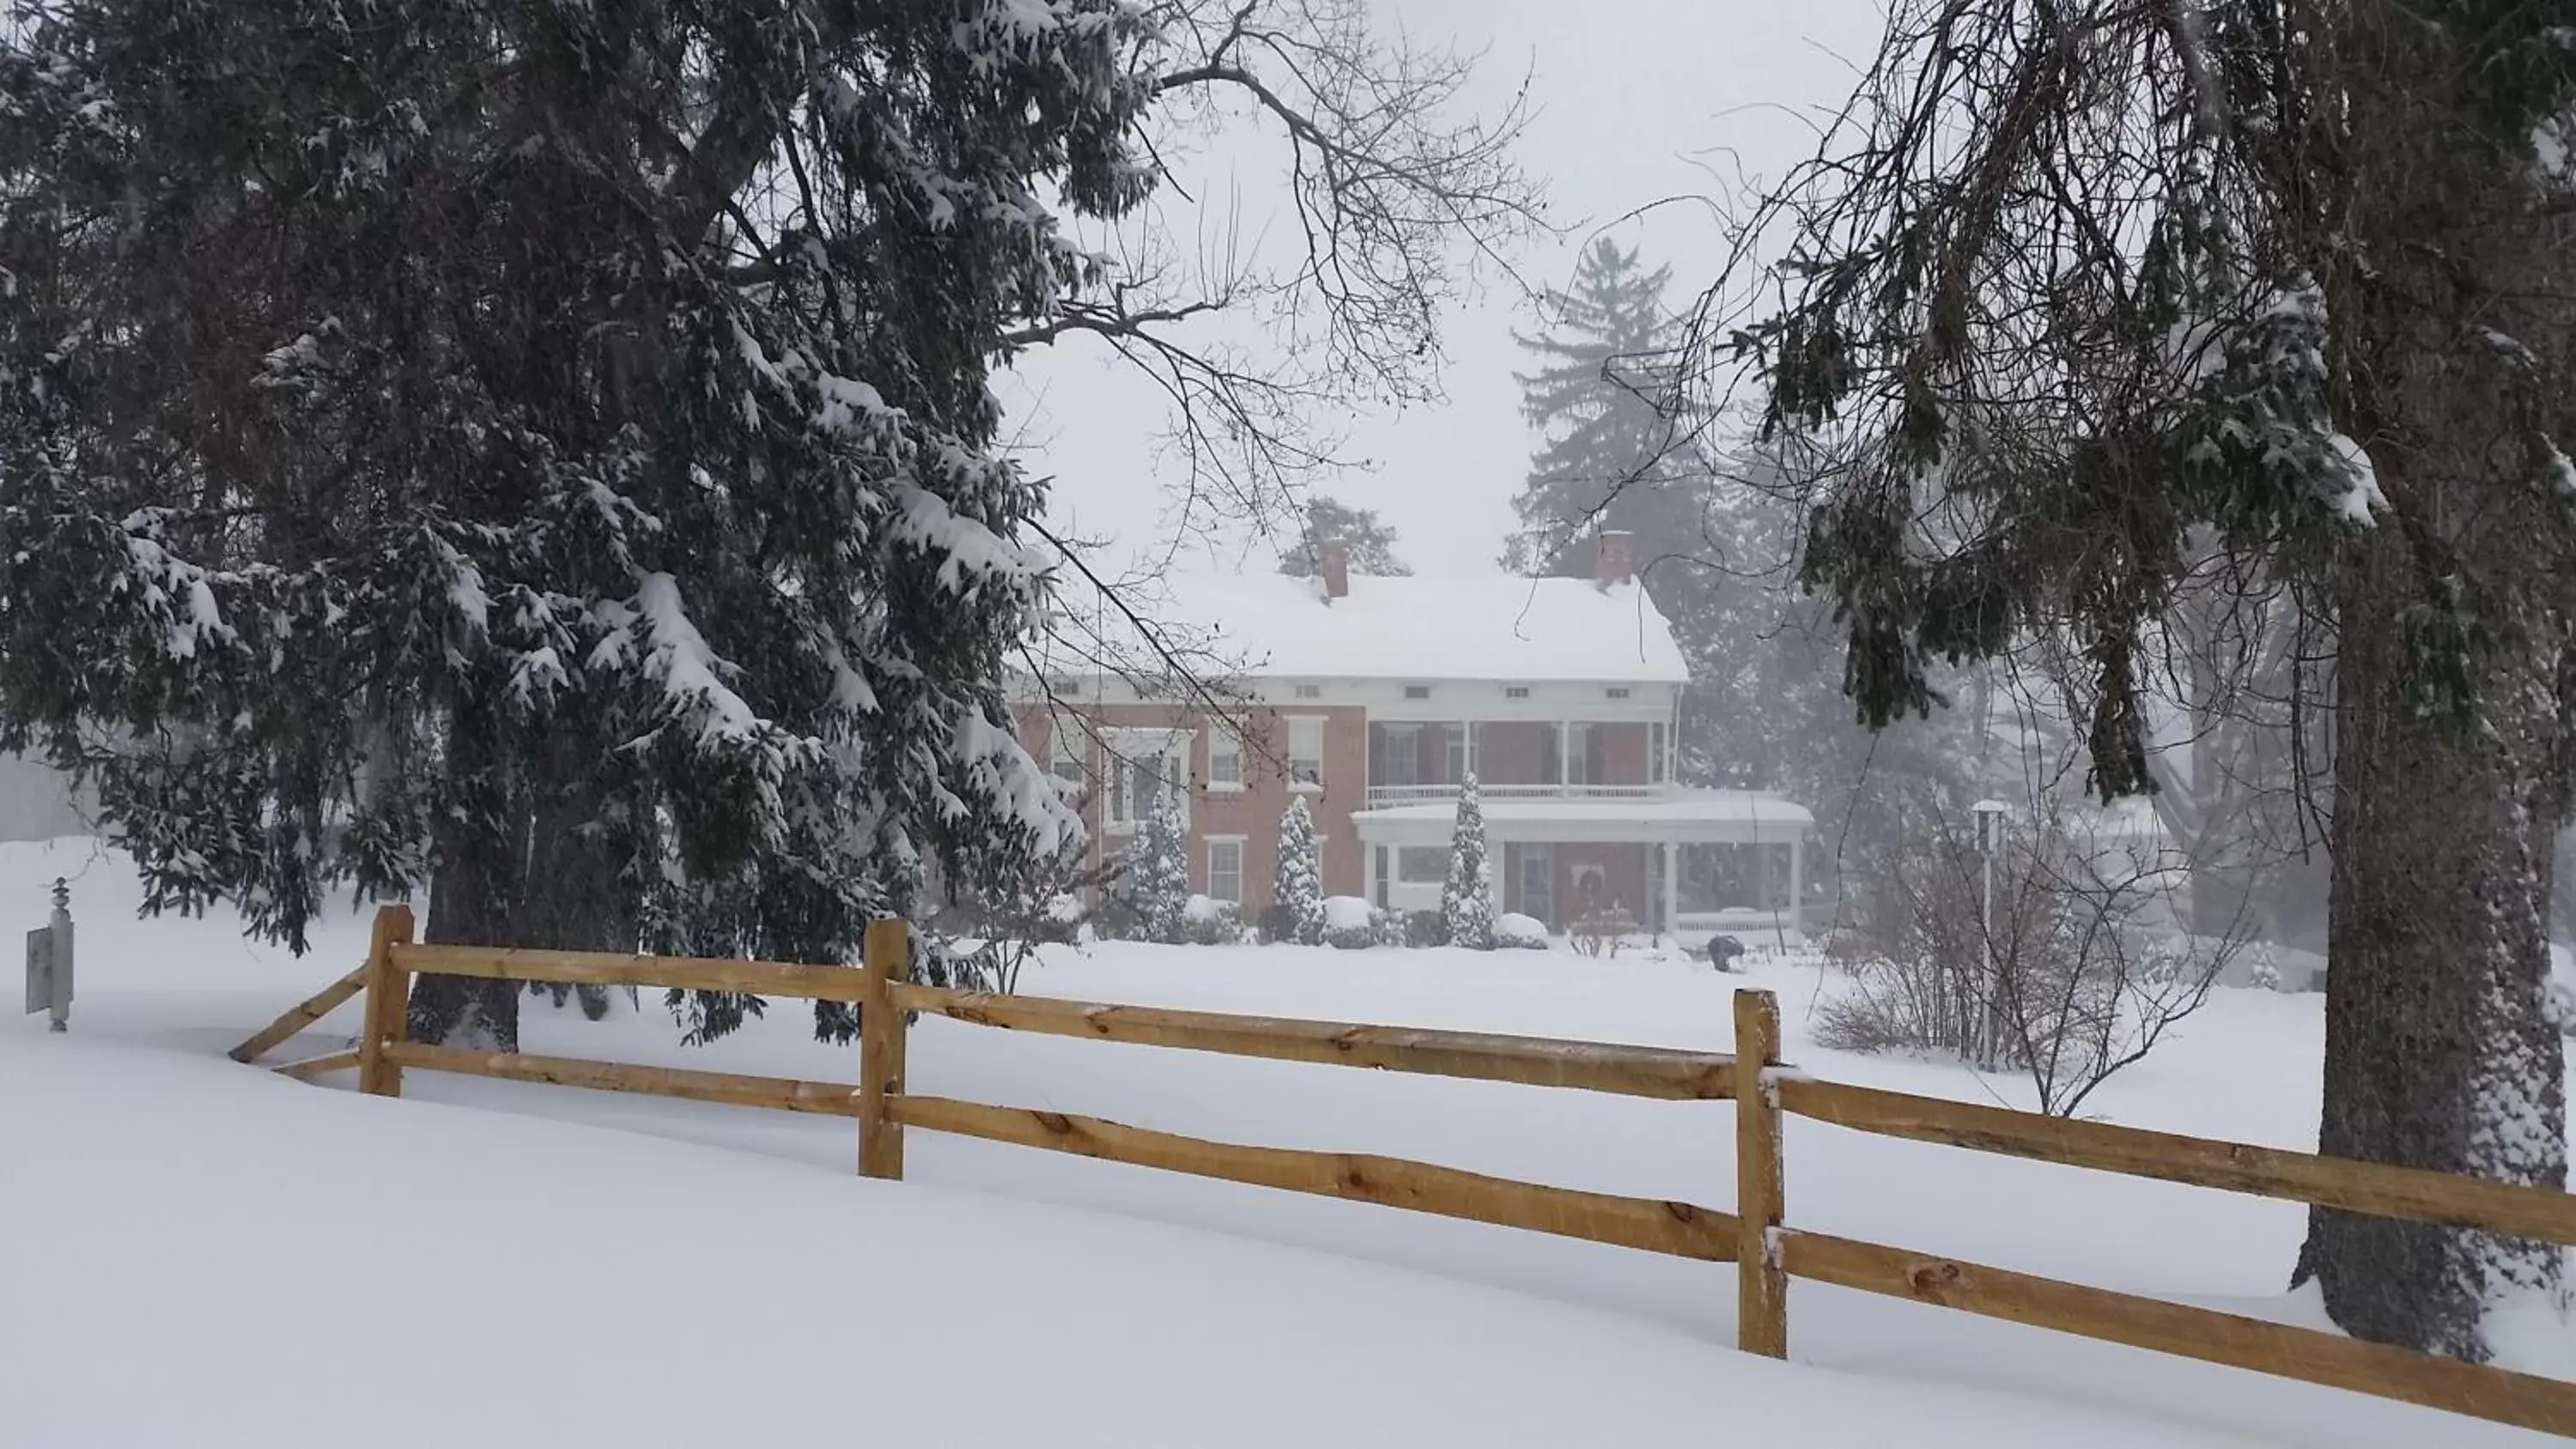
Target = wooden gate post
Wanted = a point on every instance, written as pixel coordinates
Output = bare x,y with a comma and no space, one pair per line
887,955
388,1004
1761,1289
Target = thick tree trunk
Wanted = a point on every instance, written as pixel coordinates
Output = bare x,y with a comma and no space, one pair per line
2439,1052
472,896
2459,350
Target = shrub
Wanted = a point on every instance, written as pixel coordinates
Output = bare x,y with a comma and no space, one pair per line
1297,885
1352,924
2076,985
1467,900
1424,928
1213,922
1519,932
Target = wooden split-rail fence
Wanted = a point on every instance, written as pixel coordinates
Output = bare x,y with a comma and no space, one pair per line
1767,1253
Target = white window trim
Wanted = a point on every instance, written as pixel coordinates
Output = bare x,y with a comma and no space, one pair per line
1127,744
1323,734
1242,853
1065,730
1222,733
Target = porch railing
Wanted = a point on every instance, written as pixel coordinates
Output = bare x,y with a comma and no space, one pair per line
1434,794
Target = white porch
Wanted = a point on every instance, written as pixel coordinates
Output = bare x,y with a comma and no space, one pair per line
1695,863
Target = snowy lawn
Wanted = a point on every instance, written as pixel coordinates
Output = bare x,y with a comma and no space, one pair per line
204,1254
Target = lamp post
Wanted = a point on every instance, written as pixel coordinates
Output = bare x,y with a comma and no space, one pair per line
1990,831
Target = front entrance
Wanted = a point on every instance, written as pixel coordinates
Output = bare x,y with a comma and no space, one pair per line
1538,884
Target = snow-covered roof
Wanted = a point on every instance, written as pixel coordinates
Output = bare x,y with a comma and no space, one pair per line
1460,627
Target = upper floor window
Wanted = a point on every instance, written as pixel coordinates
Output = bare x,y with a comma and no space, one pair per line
1068,688
1417,691
1225,757
1306,749
1145,765
1515,691
1071,752
1617,691
1310,691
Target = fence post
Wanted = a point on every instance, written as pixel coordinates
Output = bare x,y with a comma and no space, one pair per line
887,957
1761,1289
388,1004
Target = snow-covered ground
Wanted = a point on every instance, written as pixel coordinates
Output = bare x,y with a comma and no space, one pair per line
198,1253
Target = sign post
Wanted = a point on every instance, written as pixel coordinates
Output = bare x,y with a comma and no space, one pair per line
49,963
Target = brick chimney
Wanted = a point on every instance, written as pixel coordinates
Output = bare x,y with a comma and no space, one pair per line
1334,568
1614,558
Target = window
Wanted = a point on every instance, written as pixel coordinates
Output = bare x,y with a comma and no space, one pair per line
1578,754
1417,691
1225,759
1515,691
1069,688
1422,864
1071,752
1306,749
1395,754
1142,765
1658,740
1310,691
1225,870
1617,691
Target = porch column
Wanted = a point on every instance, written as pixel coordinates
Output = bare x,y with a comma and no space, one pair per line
1797,881
1672,888
1565,757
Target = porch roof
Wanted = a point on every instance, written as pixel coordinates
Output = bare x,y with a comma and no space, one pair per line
1710,816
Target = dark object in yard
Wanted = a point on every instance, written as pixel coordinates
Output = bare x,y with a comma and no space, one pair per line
1723,951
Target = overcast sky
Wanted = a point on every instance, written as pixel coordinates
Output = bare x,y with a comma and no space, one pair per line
1636,100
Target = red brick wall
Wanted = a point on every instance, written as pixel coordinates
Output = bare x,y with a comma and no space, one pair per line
1619,750
1513,753
1253,811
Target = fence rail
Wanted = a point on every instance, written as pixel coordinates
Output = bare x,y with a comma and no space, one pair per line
1768,1253
1679,1229
1531,1061
2336,1182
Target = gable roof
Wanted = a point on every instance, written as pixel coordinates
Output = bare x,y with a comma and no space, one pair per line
1458,627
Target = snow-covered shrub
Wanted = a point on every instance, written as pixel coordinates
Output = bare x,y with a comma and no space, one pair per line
2263,968
1297,885
1424,928
1154,883
1352,924
1467,899
1214,922
1516,931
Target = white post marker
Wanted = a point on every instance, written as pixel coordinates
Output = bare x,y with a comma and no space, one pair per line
49,962
1990,829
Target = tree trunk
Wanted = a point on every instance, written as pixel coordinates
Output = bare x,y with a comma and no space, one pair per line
472,896
478,862
2440,1048
2439,1051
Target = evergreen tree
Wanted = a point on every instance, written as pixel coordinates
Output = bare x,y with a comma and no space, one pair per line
1155,877
432,455
2257,347
1371,544
1618,448
1467,900
1297,884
